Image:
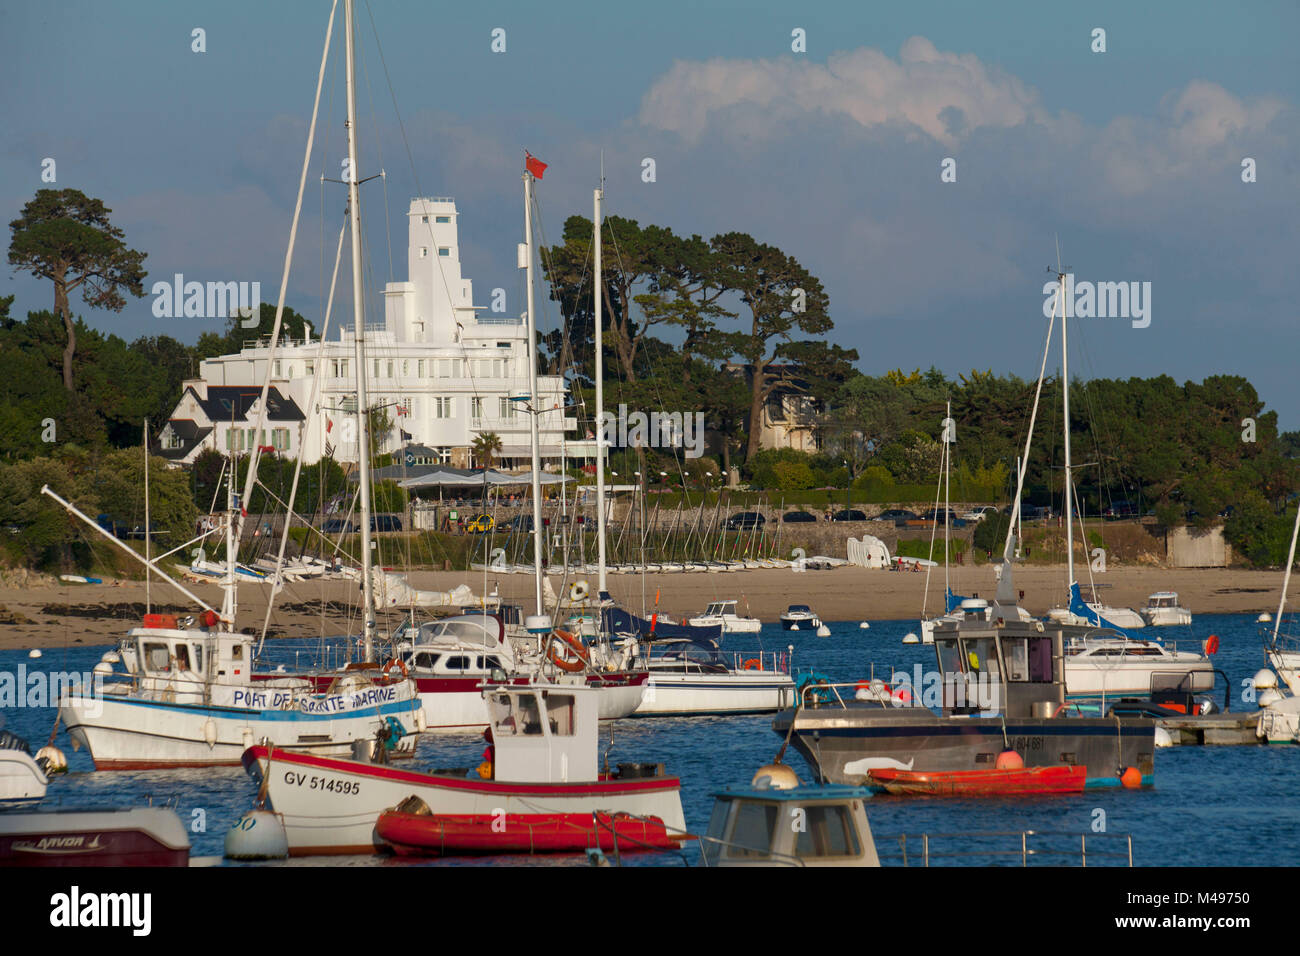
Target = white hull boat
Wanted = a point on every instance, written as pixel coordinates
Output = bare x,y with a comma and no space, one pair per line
689,679
1117,666
22,779
1163,610
724,613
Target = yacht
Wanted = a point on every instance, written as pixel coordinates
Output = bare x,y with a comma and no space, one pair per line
799,617
1163,610
724,613
1106,663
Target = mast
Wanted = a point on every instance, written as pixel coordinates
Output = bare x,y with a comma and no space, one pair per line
535,399
597,289
1286,578
1065,396
228,600
359,350
148,605
947,500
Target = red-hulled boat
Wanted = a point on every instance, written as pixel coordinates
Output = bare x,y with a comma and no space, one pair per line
440,834
144,836
979,783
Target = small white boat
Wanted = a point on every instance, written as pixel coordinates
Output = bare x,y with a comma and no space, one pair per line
724,613
1163,610
695,678
22,778
144,836
799,617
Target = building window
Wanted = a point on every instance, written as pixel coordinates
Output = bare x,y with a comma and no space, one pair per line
476,407
444,219
406,368
446,368
388,367
311,369
424,252
376,361
419,369
280,439
424,219
275,370
506,408
442,406
444,456
444,251
403,407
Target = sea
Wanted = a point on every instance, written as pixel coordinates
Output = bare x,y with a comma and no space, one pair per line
1209,806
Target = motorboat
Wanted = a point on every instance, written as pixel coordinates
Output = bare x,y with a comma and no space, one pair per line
780,821
142,836
1163,610
696,678
542,760
1106,663
725,613
999,686
23,779
799,617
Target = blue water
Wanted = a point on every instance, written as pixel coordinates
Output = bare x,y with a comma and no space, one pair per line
1232,806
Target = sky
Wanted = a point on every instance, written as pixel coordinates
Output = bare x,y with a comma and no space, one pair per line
1130,158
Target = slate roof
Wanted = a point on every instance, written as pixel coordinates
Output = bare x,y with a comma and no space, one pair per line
225,402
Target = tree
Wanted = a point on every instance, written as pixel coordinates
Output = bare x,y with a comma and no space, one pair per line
66,237
781,296
487,445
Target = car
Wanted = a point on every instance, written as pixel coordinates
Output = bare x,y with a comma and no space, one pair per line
980,513
745,521
897,515
338,525
849,514
385,523
940,515
1120,509
794,517
480,524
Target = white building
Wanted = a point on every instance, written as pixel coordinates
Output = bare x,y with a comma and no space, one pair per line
445,369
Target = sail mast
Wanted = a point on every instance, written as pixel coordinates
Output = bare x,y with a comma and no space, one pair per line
1065,393
148,578
534,398
597,289
359,351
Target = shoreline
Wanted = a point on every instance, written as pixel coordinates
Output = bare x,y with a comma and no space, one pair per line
59,615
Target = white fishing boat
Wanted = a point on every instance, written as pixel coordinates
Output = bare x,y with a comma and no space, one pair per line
725,613
544,761
1163,610
23,779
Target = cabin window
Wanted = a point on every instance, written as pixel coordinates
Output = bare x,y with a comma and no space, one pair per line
182,657
457,664
157,658
982,657
237,652
949,659
198,658
425,659
1040,661
828,831
528,715
488,663
751,833
1016,652
559,708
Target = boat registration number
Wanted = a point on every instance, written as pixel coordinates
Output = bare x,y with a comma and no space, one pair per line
1026,743
294,779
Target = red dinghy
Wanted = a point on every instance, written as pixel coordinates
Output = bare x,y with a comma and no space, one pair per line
979,783
427,834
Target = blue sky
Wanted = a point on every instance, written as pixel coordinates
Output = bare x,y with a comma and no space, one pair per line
1132,156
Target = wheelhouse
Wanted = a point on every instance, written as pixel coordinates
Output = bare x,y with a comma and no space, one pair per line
803,826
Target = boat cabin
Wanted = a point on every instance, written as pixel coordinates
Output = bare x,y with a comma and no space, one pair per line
179,662
1163,599
544,733
720,609
805,826
454,646
1010,667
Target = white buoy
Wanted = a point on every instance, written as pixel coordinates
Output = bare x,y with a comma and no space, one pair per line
257,835
911,638
103,669
34,653
1269,697
111,657
823,631
863,626
1264,618
1163,739
794,627
55,761
1264,679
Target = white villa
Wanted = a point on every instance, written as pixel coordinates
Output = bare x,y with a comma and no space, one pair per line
445,370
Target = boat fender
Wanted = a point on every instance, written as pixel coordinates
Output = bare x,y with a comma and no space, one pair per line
1009,760
901,695
578,591
398,663
752,664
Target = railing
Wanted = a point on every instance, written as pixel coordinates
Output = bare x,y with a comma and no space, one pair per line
1019,847
780,661
498,320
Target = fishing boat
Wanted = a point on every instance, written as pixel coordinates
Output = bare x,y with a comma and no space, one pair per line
142,836
23,779
799,617
995,782
726,615
543,763
1163,610
756,825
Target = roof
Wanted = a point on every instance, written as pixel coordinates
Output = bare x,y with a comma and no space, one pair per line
227,402
189,432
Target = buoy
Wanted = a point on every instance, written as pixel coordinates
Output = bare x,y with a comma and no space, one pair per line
911,638
257,835
111,657
823,630
34,653
103,669
1212,645
1131,778
863,626
794,627
1264,679
901,695
775,776
1009,760
1163,738
54,760
1264,618
1269,696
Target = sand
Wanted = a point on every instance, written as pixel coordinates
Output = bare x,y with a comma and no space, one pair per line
57,615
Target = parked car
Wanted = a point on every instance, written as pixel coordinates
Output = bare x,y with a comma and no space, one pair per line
940,515
980,513
849,514
385,523
792,517
745,521
480,524
339,526
896,515
1120,509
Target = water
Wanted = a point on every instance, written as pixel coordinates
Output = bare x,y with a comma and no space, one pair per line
1211,806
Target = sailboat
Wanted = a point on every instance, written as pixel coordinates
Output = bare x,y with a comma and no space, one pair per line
1279,720
193,700
1101,657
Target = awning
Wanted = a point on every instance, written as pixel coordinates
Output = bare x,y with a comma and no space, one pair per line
492,478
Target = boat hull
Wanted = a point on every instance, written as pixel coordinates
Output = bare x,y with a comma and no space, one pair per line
330,806
693,694
979,783
1129,676
147,836
130,734
22,783
411,834
841,744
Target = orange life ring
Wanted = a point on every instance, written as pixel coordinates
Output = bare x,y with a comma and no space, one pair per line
396,662
752,664
574,645
1212,644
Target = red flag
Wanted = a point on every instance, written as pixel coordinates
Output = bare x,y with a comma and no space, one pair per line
535,165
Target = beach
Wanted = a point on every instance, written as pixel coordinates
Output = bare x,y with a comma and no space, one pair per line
50,615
